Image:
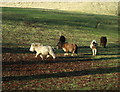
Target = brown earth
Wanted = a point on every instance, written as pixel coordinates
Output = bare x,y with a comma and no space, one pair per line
20,69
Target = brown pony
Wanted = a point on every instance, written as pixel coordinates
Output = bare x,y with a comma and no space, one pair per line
67,47
103,41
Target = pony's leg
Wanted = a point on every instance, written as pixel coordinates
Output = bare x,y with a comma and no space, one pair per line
65,50
72,54
48,56
52,54
93,52
41,57
36,54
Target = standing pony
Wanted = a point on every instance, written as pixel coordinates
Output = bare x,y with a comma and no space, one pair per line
103,41
93,46
67,47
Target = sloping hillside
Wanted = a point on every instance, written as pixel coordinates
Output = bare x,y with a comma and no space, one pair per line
26,25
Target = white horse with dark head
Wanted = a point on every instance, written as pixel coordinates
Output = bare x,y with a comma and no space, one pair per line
93,46
42,50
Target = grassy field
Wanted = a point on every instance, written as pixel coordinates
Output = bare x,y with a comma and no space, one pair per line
22,71
23,26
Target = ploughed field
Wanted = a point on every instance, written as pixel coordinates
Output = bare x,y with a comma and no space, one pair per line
22,71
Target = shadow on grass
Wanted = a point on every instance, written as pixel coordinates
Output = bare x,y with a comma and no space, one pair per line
58,60
56,18
110,54
81,49
64,74
15,50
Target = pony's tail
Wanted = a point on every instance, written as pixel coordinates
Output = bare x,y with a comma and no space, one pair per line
76,50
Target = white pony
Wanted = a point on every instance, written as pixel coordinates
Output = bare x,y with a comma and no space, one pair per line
93,46
42,50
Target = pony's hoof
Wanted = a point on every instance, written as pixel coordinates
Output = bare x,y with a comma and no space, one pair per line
72,55
65,54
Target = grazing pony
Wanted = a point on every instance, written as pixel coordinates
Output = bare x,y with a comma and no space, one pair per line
93,46
67,47
42,50
103,41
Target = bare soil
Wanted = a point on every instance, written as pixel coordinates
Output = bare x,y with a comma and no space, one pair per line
23,68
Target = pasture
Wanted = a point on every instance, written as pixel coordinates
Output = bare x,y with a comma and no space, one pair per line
22,71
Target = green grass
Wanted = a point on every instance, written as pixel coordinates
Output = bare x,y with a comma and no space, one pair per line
24,26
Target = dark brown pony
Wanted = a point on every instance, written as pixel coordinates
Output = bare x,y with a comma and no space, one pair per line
103,41
67,47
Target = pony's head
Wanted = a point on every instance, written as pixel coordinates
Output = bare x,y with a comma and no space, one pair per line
34,45
62,39
93,44
94,41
